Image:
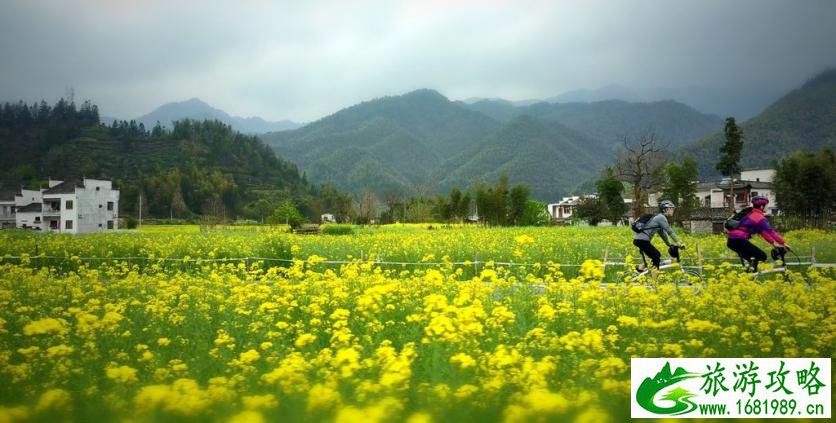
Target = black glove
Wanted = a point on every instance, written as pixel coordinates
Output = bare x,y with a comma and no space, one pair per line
778,252
673,250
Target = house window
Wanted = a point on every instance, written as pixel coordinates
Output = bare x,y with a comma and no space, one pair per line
37,219
100,225
97,188
110,224
68,224
110,205
100,206
68,205
754,193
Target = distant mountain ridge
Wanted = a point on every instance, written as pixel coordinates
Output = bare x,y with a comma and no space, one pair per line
804,118
197,109
421,142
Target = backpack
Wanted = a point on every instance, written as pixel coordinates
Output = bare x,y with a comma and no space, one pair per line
640,225
733,222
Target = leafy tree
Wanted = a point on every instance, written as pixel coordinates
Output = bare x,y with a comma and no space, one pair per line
518,199
805,183
534,214
592,210
287,213
729,164
681,187
454,204
609,193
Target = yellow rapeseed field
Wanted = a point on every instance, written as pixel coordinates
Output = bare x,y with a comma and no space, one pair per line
173,333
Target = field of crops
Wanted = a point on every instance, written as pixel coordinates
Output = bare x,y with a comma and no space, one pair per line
171,325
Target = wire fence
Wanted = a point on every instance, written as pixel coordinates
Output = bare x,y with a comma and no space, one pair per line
606,262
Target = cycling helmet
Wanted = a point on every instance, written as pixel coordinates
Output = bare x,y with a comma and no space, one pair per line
666,204
759,200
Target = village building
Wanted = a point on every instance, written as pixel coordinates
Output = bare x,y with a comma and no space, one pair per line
90,205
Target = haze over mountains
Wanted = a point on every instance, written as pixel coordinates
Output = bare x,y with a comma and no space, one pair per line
421,142
196,109
741,102
804,118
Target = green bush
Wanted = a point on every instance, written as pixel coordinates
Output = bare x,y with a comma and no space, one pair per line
334,229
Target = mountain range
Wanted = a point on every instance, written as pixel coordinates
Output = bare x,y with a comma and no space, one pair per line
804,118
423,143
197,109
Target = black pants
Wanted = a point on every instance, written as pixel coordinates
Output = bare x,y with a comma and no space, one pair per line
649,250
747,251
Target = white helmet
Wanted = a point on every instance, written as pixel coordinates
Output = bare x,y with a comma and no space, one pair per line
666,204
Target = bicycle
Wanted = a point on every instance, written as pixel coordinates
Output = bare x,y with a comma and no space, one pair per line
674,252
777,253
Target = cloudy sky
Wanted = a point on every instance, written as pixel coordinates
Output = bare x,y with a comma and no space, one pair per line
305,59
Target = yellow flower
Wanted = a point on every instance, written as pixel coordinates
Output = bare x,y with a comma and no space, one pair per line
258,402
697,325
46,326
304,339
60,350
627,321
57,400
463,360
249,356
123,374
323,397
247,416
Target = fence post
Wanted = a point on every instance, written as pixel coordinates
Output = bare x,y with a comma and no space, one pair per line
699,259
813,255
606,255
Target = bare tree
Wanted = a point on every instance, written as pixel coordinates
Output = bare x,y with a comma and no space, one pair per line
642,164
395,203
366,207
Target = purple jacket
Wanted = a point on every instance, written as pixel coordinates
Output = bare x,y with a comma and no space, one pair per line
755,223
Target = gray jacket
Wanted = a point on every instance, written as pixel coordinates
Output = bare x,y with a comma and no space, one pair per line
658,223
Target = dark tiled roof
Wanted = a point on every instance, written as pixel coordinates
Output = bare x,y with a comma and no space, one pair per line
66,187
713,213
7,195
32,207
737,184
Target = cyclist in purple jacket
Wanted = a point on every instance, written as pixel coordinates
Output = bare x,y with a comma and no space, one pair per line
754,223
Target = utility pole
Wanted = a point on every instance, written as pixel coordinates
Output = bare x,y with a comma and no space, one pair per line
140,209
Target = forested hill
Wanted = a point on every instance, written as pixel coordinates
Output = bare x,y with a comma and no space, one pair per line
421,142
389,144
193,168
675,123
805,118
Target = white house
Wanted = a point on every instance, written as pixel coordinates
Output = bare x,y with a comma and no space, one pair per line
10,201
7,209
72,207
564,208
749,183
